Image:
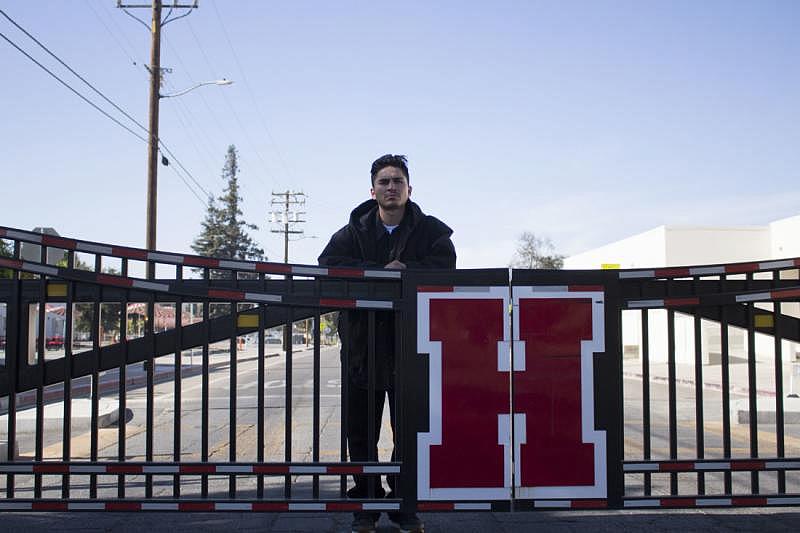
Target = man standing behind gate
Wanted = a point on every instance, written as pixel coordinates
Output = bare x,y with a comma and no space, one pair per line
388,231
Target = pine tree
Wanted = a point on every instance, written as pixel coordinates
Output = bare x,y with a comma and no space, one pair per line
224,234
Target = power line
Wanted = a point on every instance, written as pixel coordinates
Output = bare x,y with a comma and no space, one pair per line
92,87
122,48
250,92
230,106
68,86
100,93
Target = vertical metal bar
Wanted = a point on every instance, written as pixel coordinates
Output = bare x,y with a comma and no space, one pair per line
399,387
698,399
343,321
123,335
204,396
233,350
261,392
66,439
315,445
672,401
14,357
726,400
780,437
288,400
752,387
646,397
176,436
371,444
123,371
41,331
150,405
511,397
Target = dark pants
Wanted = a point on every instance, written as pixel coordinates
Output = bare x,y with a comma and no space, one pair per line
358,437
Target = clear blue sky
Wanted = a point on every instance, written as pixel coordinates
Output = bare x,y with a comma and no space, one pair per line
582,121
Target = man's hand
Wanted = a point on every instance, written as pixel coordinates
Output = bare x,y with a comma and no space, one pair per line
396,264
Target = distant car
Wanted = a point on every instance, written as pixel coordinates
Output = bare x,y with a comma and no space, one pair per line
2,342
55,342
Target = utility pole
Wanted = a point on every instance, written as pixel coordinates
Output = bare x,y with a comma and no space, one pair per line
152,144
155,95
285,216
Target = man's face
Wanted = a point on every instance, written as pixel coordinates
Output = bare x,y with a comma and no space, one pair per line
390,188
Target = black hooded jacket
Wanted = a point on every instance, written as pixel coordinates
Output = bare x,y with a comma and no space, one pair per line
420,241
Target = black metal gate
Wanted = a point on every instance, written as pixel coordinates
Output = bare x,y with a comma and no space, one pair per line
218,385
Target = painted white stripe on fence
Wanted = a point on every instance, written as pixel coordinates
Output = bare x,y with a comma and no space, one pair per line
705,502
381,506
471,289
165,258
395,274
24,235
41,269
150,286
147,506
381,469
706,271
470,506
233,506
86,506
768,265
256,297
93,248
306,506
16,468
86,469
310,271
160,469
554,504
375,304
753,297
783,464
234,469
713,466
642,503
640,466
238,265
307,469
636,304
16,505
783,501
637,274
551,288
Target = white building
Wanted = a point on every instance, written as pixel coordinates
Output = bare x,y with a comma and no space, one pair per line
672,246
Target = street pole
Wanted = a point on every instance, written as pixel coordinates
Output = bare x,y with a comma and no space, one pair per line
155,95
287,200
152,146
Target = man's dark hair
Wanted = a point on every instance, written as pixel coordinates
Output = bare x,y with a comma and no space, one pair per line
390,160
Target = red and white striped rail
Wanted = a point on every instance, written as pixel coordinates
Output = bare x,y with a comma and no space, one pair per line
199,505
713,465
178,288
702,501
138,254
710,270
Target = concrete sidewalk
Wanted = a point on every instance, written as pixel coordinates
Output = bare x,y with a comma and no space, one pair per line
706,520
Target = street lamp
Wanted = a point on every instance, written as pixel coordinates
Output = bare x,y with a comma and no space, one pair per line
223,81
152,151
